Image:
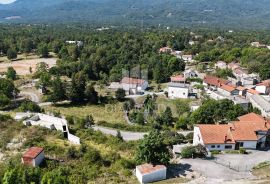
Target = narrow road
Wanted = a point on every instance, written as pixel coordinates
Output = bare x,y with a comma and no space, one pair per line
127,135
33,97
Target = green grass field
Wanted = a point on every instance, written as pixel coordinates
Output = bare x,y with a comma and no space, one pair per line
112,113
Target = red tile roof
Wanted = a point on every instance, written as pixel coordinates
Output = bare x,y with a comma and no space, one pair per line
149,168
178,78
251,117
241,88
264,83
216,134
33,152
233,65
253,91
214,81
127,80
243,130
228,88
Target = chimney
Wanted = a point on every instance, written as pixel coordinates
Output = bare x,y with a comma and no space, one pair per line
226,138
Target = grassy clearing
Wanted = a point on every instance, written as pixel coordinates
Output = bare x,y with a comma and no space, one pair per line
111,113
262,170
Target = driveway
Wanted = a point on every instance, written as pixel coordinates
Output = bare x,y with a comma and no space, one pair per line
214,173
242,162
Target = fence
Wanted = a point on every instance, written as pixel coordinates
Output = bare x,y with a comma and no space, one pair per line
234,166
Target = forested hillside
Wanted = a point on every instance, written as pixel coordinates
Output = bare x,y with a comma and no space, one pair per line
225,13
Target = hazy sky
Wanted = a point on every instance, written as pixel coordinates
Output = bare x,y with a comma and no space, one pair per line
6,1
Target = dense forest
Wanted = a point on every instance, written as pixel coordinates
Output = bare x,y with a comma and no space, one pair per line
250,14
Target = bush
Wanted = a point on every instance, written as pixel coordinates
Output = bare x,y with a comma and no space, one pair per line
189,137
194,152
29,106
242,151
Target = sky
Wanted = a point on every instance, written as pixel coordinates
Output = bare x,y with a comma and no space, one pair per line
6,1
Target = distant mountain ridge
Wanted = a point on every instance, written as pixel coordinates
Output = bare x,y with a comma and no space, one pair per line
230,13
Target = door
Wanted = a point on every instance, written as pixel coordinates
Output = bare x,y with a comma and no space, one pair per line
237,145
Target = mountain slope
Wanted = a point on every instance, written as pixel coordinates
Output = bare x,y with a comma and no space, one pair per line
244,13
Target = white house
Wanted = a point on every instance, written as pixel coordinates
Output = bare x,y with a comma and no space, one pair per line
249,132
33,157
221,65
148,173
53,123
261,103
133,85
165,50
187,58
263,87
178,88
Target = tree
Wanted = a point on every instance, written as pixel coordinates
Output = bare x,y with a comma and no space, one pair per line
166,116
58,90
4,101
78,85
119,136
139,118
43,51
89,121
11,54
153,150
30,106
7,88
11,73
55,176
120,94
44,81
91,95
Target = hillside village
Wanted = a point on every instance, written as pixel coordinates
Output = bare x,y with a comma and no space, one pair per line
176,111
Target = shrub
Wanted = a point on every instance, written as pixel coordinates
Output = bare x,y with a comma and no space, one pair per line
242,151
189,137
194,151
29,106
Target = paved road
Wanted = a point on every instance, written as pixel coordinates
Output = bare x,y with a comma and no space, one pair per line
145,94
127,136
33,96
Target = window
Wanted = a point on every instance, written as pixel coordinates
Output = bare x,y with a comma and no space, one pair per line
241,144
218,146
213,146
228,147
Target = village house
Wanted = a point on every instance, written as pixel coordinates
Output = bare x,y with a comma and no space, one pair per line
233,65
263,87
212,82
249,132
33,157
240,73
53,123
187,58
261,103
228,90
134,85
258,45
78,43
148,173
242,91
251,92
178,87
167,50
190,73
221,65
